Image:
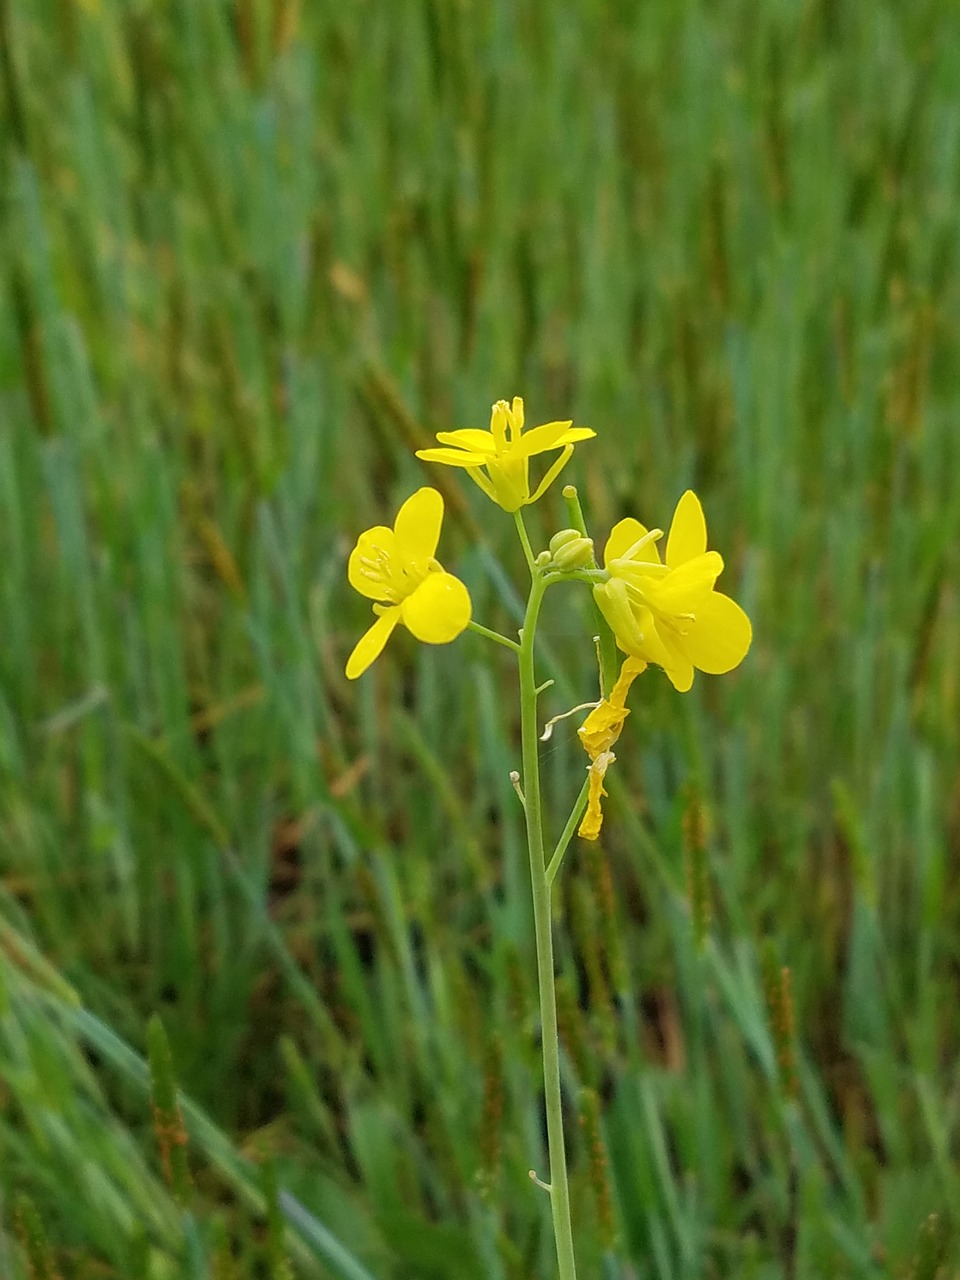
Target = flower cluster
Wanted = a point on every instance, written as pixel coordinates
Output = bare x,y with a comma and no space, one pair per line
663,611
396,567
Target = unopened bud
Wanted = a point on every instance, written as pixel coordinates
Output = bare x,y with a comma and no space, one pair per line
569,550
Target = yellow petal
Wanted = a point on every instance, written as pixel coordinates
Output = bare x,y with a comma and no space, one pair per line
417,527
688,531
468,438
679,672
720,636
452,457
370,645
576,434
623,536
438,610
684,589
540,439
375,546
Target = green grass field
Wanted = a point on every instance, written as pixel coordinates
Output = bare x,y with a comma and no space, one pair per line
254,254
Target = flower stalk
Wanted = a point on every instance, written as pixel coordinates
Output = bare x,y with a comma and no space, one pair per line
540,885
662,612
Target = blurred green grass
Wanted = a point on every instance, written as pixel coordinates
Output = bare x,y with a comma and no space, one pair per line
253,254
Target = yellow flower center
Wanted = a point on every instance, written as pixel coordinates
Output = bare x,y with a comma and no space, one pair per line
395,582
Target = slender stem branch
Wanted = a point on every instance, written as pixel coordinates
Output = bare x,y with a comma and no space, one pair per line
494,635
576,813
525,541
559,1190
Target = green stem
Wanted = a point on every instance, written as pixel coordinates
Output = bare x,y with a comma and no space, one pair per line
576,813
494,635
559,1190
524,540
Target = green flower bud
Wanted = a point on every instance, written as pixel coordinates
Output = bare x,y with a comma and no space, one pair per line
570,550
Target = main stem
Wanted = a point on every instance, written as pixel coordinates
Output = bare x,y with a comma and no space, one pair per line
559,1190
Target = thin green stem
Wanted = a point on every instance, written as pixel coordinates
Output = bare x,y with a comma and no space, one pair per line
576,813
524,540
559,1190
494,635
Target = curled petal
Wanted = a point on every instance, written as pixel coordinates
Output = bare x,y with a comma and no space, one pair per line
632,667
603,725
370,645
593,818
602,728
417,527
688,531
719,637
438,610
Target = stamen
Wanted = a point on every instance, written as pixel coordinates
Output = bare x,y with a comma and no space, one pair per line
654,535
623,567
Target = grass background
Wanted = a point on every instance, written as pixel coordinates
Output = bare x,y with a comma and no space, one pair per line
252,255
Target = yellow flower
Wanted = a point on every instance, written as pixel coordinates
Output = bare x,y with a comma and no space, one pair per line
670,613
499,459
598,733
396,567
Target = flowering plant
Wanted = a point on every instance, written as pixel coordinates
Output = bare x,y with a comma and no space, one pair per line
658,612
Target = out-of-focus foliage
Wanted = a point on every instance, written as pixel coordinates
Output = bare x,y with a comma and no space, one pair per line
254,255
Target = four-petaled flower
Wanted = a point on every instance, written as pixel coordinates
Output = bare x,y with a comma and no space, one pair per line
670,614
598,733
499,459
396,568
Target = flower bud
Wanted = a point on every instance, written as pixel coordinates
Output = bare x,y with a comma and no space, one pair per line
569,550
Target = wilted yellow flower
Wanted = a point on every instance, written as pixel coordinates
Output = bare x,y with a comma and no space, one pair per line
396,567
669,613
499,459
598,733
